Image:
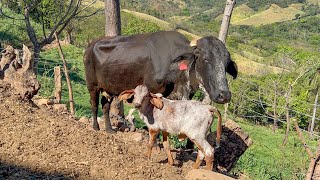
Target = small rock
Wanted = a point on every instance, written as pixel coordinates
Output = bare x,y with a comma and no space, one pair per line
42,101
60,107
201,174
84,120
137,137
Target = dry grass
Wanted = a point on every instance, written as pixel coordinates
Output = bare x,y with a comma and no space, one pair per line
239,13
273,14
314,1
249,67
179,19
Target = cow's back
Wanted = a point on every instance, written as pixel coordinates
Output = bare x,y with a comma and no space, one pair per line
119,63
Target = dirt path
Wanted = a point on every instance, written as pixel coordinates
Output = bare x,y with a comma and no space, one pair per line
38,143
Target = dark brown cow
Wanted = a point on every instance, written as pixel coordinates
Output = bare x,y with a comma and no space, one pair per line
163,61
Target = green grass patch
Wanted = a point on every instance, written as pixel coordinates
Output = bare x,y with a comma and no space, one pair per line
268,159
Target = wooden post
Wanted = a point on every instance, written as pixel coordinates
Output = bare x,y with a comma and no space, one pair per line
314,113
66,74
302,139
275,108
226,20
57,85
312,166
287,115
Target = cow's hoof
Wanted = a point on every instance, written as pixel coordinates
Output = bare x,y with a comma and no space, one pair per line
96,128
110,131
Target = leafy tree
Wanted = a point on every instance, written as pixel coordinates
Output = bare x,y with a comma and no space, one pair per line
54,16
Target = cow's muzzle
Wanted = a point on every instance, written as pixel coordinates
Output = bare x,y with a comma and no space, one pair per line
223,97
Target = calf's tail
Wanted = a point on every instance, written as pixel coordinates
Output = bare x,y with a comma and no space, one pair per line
214,110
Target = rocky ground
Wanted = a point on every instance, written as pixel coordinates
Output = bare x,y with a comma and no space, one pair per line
37,143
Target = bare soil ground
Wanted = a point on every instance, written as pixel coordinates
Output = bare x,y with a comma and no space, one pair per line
37,143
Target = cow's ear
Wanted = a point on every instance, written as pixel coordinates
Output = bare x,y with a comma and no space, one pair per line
156,100
232,69
183,62
125,95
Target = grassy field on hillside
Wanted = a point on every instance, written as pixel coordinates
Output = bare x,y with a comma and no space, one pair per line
268,159
273,14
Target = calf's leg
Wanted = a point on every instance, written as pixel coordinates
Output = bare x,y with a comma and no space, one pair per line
152,140
199,160
166,146
208,152
106,109
94,101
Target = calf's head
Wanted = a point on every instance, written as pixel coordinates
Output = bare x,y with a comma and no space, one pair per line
212,63
141,96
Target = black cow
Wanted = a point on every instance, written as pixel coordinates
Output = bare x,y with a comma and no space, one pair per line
163,61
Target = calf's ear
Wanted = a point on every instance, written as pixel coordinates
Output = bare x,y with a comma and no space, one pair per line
125,95
156,101
232,69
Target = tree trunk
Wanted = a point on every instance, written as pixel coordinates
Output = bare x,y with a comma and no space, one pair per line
314,113
226,20
113,28
37,49
66,74
275,108
287,116
225,111
113,20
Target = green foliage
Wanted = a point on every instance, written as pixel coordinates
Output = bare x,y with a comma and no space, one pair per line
74,57
268,159
93,27
132,25
14,31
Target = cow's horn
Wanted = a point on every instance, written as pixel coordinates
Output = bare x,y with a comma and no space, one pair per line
193,42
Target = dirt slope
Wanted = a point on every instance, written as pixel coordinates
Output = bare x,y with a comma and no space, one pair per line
40,144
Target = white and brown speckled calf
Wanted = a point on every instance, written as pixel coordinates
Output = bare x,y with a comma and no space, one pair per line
182,117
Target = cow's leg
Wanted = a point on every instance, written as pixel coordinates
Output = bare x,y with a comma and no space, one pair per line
94,101
152,140
106,109
166,146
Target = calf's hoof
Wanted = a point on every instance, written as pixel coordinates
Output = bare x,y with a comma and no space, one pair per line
170,162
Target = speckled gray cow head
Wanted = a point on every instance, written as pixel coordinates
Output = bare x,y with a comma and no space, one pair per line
212,62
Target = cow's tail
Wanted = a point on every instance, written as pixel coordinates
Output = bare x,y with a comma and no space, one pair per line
214,110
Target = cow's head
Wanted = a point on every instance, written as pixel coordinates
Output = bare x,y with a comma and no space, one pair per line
212,62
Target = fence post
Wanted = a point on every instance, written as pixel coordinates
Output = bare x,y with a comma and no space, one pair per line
57,84
67,75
